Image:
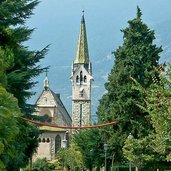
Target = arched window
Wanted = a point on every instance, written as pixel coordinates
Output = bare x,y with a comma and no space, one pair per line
57,143
85,79
81,77
77,79
43,140
48,140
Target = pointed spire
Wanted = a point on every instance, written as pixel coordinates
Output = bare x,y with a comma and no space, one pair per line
82,54
46,81
83,20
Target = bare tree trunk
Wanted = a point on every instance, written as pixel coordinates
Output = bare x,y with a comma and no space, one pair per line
30,164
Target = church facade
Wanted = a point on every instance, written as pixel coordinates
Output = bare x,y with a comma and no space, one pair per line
50,106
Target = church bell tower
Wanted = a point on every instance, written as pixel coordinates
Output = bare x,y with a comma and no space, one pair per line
81,81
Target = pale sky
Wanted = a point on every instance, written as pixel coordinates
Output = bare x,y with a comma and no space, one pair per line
57,22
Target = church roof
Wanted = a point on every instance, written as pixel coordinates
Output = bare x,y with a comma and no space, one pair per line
48,128
82,54
48,98
59,101
56,102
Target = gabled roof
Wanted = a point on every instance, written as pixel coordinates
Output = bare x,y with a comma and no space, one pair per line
48,128
57,100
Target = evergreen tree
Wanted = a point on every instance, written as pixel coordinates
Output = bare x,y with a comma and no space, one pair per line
5,59
154,149
20,75
9,130
13,33
136,58
19,67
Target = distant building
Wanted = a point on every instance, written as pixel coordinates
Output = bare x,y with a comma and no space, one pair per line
50,105
51,140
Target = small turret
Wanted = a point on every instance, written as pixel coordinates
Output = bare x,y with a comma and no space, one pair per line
46,81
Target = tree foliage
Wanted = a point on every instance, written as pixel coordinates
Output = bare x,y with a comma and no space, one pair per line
70,157
20,76
9,130
157,104
41,165
23,64
136,58
154,149
91,147
18,67
140,151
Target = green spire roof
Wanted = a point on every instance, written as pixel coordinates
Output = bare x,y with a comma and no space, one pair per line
82,55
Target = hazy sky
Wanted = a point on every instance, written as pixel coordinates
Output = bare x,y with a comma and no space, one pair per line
57,22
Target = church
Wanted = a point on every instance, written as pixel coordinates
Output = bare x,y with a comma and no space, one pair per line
50,105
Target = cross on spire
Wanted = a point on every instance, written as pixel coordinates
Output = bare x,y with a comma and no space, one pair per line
46,71
46,81
83,20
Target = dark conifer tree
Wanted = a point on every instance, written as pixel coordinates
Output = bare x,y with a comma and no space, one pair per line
20,66
136,59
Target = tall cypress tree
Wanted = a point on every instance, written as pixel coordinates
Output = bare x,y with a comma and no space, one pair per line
136,58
